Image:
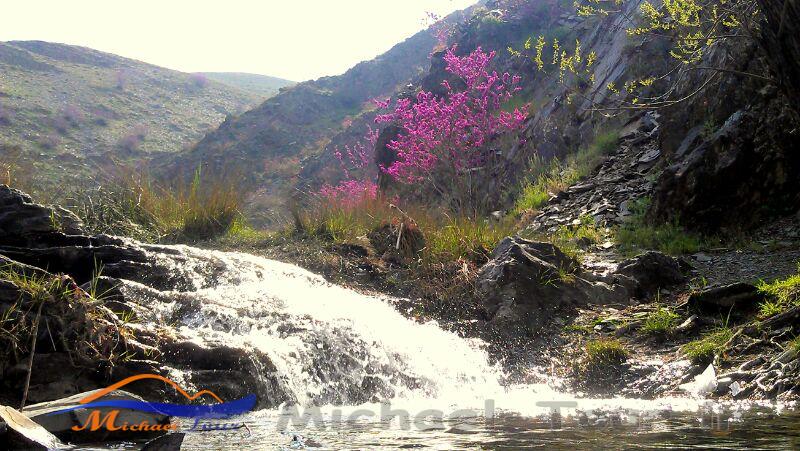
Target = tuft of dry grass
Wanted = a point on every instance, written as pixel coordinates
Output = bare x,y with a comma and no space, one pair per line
447,238
133,204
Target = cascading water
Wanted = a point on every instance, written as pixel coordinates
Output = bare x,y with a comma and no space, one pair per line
318,344
329,344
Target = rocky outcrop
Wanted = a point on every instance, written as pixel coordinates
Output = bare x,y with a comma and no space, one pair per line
24,223
745,171
526,283
609,192
781,41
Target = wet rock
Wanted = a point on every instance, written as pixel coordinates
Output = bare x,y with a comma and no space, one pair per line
645,274
61,424
169,442
526,283
229,371
23,433
741,297
723,386
23,222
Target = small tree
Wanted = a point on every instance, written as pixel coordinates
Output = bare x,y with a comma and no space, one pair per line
443,139
356,164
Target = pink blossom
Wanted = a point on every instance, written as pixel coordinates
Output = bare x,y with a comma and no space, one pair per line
451,129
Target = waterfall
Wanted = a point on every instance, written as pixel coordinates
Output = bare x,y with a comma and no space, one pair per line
329,344
324,345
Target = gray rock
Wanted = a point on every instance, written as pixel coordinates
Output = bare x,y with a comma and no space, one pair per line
526,283
702,258
748,166
169,442
713,300
23,433
645,274
22,220
61,425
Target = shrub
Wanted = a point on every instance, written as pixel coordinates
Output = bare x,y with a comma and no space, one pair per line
199,80
605,352
442,139
133,139
464,237
75,322
401,236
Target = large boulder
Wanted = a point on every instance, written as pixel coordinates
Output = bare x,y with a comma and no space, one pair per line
527,283
19,432
727,299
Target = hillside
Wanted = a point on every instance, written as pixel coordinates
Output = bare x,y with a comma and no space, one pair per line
268,143
70,109
253,83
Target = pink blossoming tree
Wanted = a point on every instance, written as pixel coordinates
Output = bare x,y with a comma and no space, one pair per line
443,139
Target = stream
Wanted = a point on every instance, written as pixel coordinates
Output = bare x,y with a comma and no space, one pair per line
345,370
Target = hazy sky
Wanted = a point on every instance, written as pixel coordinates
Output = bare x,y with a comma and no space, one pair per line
294,39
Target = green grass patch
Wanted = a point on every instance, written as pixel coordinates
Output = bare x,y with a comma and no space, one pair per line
447,238
660,322
605,352
711,344
573,238
637,235
546,178
781,295
51,306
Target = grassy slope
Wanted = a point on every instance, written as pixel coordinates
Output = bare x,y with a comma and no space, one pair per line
255,83
75,108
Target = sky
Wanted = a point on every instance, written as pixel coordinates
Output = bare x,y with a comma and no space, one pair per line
292,39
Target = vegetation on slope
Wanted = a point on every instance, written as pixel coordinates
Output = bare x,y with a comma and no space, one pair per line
73,111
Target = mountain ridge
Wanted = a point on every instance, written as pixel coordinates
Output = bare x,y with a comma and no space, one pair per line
68,110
